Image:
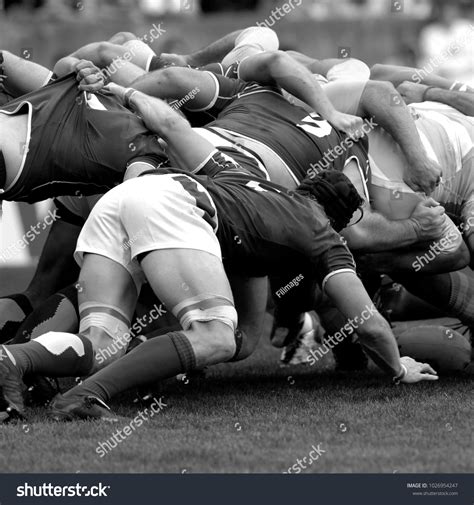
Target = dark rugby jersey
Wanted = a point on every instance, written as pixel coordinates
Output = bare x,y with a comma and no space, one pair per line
265,229
77,142
306,143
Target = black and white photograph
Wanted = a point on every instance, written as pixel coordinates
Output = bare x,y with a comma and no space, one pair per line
237,252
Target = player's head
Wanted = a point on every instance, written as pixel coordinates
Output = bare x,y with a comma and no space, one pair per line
336,193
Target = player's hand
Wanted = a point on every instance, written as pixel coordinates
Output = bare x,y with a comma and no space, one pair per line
429,218
349,124
412,92
90,77
423,176
416,371
176,60
116,89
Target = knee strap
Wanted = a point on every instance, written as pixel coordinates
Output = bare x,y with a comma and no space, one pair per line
204,308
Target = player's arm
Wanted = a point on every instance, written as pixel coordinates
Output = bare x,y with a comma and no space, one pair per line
212,53
100,54
374,232
335,270
382,102
20,75
350,297
221,49
414,260
175,83
186,147
324,67
416,93
102,60
280,68
398,74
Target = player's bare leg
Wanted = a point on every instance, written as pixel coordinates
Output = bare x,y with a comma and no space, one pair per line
22,75
201,298
107,297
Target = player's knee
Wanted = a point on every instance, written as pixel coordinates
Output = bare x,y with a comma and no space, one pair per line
262,35
350,69
213,342
210,322
121,38
385,88
267,38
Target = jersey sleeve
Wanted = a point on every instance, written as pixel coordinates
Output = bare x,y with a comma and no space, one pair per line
226,91
329,253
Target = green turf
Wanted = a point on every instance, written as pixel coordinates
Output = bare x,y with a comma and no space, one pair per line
257,417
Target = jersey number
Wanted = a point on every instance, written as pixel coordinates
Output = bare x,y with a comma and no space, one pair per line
315,125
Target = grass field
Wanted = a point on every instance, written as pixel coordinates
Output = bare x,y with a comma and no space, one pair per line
257,417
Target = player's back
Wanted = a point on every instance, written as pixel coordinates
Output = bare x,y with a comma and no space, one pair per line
76,142
300,140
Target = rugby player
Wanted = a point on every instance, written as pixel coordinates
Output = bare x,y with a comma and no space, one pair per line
177,216
97,141
258,45
143,56
322,147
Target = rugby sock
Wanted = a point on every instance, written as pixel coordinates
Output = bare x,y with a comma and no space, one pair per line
15,308
58,313
461,297
54,354
156,359
452,292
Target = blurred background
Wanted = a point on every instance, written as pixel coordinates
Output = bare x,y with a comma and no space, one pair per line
403,32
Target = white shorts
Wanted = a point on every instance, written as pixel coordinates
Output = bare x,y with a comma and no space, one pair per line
150,213
253,40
